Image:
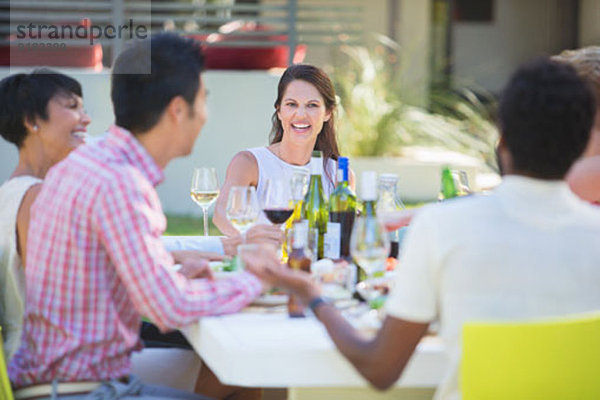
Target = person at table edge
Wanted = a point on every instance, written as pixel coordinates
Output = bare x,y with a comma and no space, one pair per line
95,260
528,250
584,176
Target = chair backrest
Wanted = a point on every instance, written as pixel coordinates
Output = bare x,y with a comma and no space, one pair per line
5,389
554,359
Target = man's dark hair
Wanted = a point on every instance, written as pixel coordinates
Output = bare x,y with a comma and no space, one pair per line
149,74
24,97
546,114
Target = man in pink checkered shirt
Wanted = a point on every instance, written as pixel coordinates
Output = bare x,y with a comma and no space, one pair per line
95,261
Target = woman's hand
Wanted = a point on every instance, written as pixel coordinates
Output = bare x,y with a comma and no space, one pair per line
265,234
261,234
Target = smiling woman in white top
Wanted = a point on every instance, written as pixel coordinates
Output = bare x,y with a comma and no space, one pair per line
303,121
42,114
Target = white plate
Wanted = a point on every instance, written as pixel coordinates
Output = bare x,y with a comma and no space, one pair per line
271,300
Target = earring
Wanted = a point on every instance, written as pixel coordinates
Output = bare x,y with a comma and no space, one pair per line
35,128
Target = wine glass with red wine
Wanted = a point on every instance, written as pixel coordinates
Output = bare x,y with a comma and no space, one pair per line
278,204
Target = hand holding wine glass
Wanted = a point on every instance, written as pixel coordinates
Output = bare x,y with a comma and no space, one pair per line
204,190
391,212
242,207
396,219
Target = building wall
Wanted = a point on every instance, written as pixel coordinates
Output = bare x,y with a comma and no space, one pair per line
240,105
406,22
589,23
485,54
414,36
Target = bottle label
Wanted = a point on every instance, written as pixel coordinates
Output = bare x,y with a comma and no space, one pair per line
332,241
316,166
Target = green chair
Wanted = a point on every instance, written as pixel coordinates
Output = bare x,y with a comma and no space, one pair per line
5,389
550,359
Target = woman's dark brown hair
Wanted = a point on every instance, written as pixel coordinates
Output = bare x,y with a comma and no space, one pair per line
326,140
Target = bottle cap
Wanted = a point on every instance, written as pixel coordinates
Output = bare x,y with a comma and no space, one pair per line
316,166
368,185
342,175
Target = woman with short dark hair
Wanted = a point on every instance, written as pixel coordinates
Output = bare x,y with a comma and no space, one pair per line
42,114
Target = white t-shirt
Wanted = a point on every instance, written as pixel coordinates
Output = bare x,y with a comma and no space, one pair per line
12,274
530,249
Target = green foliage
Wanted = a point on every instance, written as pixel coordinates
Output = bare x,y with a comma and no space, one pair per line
375,118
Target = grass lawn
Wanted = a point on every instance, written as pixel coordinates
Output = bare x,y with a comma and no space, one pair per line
183,225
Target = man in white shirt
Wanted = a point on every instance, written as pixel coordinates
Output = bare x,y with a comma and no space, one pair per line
530,249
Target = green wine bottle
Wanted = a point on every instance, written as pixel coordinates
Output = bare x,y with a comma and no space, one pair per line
314,207
448,188
342,208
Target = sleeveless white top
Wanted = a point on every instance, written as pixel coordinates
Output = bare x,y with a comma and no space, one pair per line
272,167
12,274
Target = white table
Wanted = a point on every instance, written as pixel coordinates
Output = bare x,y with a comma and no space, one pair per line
273,350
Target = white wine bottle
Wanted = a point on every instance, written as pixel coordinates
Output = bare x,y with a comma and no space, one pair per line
314,207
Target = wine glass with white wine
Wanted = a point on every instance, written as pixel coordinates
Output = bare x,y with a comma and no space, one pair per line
204,190
242,207
370,246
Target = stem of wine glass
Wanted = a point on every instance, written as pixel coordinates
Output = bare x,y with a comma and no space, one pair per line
205,221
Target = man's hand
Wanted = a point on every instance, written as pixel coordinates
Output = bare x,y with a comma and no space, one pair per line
195,264
264,263
257,258
196,268
262,234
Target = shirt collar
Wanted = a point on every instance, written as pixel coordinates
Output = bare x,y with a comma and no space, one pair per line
548,202
135,153
532,186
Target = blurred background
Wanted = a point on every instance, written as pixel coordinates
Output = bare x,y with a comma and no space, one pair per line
417,80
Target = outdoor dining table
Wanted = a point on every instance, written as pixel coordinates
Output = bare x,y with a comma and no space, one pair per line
272,350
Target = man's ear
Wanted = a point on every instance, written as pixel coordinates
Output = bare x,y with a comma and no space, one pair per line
501,142
177,110
503,156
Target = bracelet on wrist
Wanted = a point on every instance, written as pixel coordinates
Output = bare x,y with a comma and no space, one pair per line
317,302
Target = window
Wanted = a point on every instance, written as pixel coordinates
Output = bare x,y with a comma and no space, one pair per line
473,10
